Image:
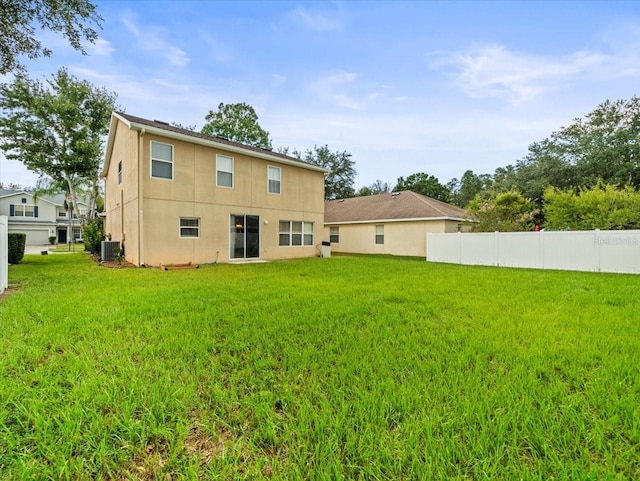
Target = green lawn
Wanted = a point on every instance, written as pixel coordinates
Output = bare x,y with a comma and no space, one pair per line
370,368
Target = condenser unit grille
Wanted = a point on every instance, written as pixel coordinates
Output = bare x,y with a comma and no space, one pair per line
107,249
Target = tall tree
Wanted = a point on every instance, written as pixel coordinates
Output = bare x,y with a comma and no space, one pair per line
19,20
424,184
338,183
237,122
378,187
56,129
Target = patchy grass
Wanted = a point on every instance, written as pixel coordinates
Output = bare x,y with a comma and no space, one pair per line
341,368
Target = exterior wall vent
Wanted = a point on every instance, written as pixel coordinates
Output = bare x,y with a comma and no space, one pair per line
107,249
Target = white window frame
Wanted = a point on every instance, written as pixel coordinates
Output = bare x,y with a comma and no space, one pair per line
218,169
196,227
379,238
271,169
62,212
23,210
152,160
296,228
334,233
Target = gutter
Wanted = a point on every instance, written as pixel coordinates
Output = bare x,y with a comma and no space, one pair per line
410,219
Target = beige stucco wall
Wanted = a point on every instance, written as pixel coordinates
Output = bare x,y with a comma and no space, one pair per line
193,193
405,238
122,200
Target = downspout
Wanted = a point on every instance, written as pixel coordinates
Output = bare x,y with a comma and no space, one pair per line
140,197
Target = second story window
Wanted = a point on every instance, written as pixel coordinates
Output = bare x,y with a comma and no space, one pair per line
224,171
161,161
23,210
273,174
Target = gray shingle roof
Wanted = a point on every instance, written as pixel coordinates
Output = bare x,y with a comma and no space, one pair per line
399,205
170,128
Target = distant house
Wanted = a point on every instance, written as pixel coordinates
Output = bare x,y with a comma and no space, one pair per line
42,218
173,196
395,223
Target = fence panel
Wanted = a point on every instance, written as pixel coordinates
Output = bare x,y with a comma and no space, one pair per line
599,251
4,252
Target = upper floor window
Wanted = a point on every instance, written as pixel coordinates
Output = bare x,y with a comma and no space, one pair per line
273,174
23,210
224,171
334,235
119,172
62,212
161,161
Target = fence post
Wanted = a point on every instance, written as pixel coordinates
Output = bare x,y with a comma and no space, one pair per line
496,250
541,249
596,248
459,247
4,253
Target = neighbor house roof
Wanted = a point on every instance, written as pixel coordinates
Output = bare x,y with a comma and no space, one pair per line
57,199
167,130
397,206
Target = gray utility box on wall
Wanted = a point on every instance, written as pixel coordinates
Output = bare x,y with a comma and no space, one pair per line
107,250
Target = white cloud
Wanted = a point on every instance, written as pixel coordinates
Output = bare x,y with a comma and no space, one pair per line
100,48
494,70
332,88
320,21
152,40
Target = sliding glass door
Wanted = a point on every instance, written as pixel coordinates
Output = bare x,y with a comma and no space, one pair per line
244,237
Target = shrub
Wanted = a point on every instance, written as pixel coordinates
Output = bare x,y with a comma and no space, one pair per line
16,247
93,235
52,239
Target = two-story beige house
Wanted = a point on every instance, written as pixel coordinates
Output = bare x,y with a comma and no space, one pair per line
173,196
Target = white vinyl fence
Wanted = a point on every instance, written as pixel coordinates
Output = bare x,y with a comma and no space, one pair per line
597,251
4,252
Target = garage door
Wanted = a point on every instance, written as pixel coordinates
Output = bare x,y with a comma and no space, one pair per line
35,237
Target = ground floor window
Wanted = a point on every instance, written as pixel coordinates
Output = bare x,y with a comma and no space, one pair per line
296,233
77,234
334,235
189,227
379,234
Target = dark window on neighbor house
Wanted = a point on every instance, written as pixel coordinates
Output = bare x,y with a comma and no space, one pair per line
224,171
273,174
334,235
24,200
119,172
189,227
379,234
161,160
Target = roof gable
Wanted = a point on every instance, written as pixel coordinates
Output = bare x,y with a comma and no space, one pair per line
404,205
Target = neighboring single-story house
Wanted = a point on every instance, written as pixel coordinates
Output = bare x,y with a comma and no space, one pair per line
174,196
395,223
40,218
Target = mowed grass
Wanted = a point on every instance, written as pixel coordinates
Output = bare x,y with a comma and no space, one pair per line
369,368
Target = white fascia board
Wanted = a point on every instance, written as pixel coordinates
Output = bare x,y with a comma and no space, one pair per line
212,143
111,136
412,219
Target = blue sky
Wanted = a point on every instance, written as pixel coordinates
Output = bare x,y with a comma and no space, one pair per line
419,86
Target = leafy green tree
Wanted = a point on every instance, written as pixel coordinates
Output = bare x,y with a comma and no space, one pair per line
424,184
502,211
470,185
237,122
74,19
603,206
338,182
56,129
